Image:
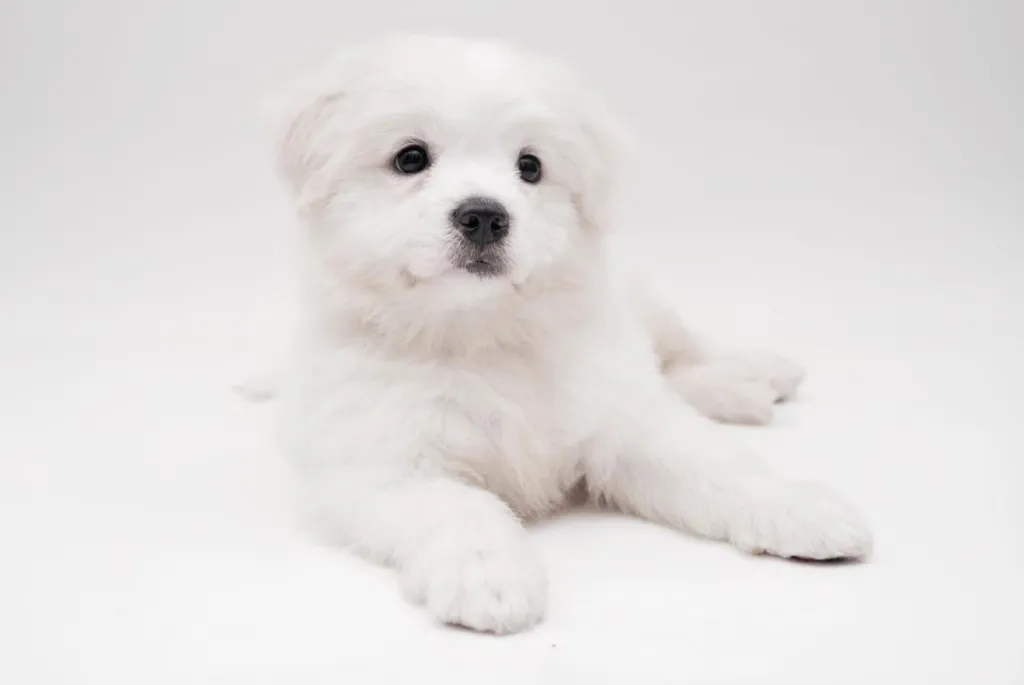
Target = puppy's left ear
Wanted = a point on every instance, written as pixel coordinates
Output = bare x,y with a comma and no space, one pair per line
607,148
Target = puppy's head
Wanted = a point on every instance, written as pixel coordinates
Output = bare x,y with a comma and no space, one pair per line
427,162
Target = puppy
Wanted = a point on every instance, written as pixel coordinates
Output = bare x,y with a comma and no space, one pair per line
469,352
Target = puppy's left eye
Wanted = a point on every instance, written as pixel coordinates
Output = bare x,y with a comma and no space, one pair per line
529,168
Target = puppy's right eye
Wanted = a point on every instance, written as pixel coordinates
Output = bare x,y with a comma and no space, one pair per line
411,159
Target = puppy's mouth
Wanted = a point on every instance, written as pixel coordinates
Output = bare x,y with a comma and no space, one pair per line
485,263
484,266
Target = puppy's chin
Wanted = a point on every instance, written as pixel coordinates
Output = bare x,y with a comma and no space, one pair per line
470,286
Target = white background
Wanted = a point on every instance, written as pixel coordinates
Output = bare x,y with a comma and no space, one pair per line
839,181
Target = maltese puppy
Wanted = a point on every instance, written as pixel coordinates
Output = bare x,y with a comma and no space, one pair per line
470,353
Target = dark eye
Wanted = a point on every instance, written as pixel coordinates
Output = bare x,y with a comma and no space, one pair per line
529,168
411,159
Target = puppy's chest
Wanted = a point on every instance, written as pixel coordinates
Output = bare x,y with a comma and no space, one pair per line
516,428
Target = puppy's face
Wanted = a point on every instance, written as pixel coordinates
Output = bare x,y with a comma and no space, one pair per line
436,162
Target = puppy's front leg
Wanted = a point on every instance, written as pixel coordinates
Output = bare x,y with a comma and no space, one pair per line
459,549
677,470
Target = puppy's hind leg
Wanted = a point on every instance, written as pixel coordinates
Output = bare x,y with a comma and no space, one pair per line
731,388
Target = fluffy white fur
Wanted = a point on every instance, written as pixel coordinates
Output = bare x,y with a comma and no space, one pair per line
430,411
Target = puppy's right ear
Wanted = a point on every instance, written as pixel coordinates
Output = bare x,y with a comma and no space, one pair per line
303,118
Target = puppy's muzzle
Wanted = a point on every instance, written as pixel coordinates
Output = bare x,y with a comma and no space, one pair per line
481,221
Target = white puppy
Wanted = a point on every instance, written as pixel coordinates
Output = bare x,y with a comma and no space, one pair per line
469,355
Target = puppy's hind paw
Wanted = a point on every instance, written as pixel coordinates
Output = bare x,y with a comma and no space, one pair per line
783,376
721,395
741,389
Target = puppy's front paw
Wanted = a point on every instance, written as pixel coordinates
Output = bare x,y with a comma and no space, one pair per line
802,521
740,389
493,588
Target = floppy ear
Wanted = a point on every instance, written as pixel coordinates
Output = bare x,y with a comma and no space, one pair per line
303,139
309,120
607,146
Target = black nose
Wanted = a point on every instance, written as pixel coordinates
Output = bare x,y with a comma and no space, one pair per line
481,220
